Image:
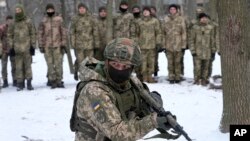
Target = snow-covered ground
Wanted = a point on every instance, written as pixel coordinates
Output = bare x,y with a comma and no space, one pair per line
43,114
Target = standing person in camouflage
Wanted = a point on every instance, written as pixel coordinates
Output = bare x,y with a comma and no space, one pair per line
154,15
149,39
52,41
110,105
174,32
202,47
124,25
6,55
84,36
102,28
21,37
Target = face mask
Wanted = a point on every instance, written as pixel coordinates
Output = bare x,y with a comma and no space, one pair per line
119,76
50,14
123,10
136,15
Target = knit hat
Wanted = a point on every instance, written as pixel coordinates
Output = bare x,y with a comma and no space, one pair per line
82,5
201,15
173,5
50,6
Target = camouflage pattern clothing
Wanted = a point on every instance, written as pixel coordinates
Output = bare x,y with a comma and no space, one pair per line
124,25
84,37
5,54
102,28
149,36
21,36
52,38
174,38
106,110
202,46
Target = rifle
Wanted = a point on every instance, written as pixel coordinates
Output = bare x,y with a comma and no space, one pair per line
160,110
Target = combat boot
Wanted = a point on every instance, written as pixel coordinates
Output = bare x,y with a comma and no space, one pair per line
19,86
144,78
60,84
76,76
29,85
48,83
5,83
196,82
23,84
204,82
14,83
53,84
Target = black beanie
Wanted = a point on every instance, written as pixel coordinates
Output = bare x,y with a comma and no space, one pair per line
50,6
82,5
102,8
136,6
146,8
123,2
173,5
201,15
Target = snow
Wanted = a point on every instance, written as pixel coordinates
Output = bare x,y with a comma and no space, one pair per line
2,4
43,114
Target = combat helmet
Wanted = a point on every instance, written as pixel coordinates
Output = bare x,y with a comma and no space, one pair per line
123,50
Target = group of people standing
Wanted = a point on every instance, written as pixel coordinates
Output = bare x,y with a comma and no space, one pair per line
173,34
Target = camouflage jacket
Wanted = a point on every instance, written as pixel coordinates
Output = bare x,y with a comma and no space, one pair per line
102,28
124,25
3,38
51,32
202,41
174,33
84,32
21,35
149,32
99,106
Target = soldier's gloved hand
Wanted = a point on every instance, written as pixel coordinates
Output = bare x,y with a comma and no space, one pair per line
194,54
42,50
63,49
12,52
183,50
32,50
218,53
212,56
162,123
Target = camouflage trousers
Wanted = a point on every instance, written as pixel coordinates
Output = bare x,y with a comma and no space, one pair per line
148,62
156,62
81,54
84,137
23,66
5,58
201,69
174,65
54,60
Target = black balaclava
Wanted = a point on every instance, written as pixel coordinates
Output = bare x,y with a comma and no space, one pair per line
123,3
119,76
50,6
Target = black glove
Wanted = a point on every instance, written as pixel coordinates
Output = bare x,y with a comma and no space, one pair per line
183,50
159,48
194,54
32,50
12,52
218,53
212,56
162,123
42,50
63,49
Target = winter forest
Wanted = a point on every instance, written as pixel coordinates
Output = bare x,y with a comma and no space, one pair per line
233,19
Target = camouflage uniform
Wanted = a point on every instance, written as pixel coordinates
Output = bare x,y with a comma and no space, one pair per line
5,55
174,36
102,28
21,36
111,111
84,37
149,36
52,39
202,46
124,25
217,45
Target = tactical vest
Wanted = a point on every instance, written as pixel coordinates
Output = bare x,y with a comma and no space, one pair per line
129,103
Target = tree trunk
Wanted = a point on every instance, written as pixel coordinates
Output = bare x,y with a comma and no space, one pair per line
213,10
234,41
109,21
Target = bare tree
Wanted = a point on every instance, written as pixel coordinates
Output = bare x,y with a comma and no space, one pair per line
235,55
